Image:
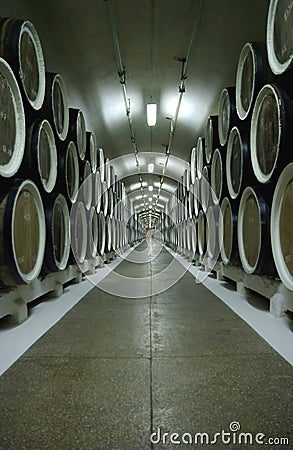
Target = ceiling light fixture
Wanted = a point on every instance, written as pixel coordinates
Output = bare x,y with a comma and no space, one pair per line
151,114
151,167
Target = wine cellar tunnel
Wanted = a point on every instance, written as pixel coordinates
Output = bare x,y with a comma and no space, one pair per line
146,211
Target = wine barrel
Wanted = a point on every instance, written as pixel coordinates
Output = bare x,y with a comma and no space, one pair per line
254,234
86,184
196,196
193,165
12,122
211,137
57,233
200,156
271,134
252,73
105,199
107,173
201,233
227,113
110,203
92,233
97,197
218,176
281,226
186,179
21,47
206,191
212,232
193,237
108,234
78,231
191,201
228,232
91,150
280,35
22,233
40,158
77,131
68,170
55,107
238,162
102,233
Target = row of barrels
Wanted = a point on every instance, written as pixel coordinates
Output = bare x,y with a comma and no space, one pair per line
61,202
240,177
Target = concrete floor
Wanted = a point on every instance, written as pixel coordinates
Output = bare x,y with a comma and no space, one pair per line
116,369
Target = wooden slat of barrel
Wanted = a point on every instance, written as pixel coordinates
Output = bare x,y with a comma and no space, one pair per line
12,122
21,214
280,35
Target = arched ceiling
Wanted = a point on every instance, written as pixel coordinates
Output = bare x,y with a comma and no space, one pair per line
153,35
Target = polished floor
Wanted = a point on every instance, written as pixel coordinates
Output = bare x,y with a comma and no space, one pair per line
122,372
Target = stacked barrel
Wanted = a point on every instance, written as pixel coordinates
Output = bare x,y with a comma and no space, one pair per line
60,202
241,171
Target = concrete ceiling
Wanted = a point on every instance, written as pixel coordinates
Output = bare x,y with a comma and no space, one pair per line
77,42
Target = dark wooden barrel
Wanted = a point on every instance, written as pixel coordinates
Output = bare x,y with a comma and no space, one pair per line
57,233
21,47
252,73
253,231
40,158
86,183
91,150
68,170
196,196
239,171
281,226
200,156
55,107
22,233
228,116
201,233
271,136
77,131
212,232
102,234
280,35
12,122
205,188
78,231
97,191
211,137
228,232
92,233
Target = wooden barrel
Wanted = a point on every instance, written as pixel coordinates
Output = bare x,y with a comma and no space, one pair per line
271,136
193,231
68,170
105,199
12,122
193,165
211,137
191,201
92,233
253,231
238,162
218,176
196,196
212,232
227,113
57,233
201,233
77,131
22,233
280,35
86,184
40,158
78,231
252,73
91,150
108,172
102,233
55,107
228,232
281,226
20,46
110,203
97,196
200,156
108,234
206,191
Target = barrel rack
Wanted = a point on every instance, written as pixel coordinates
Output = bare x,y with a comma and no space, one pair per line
280,297
13,301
